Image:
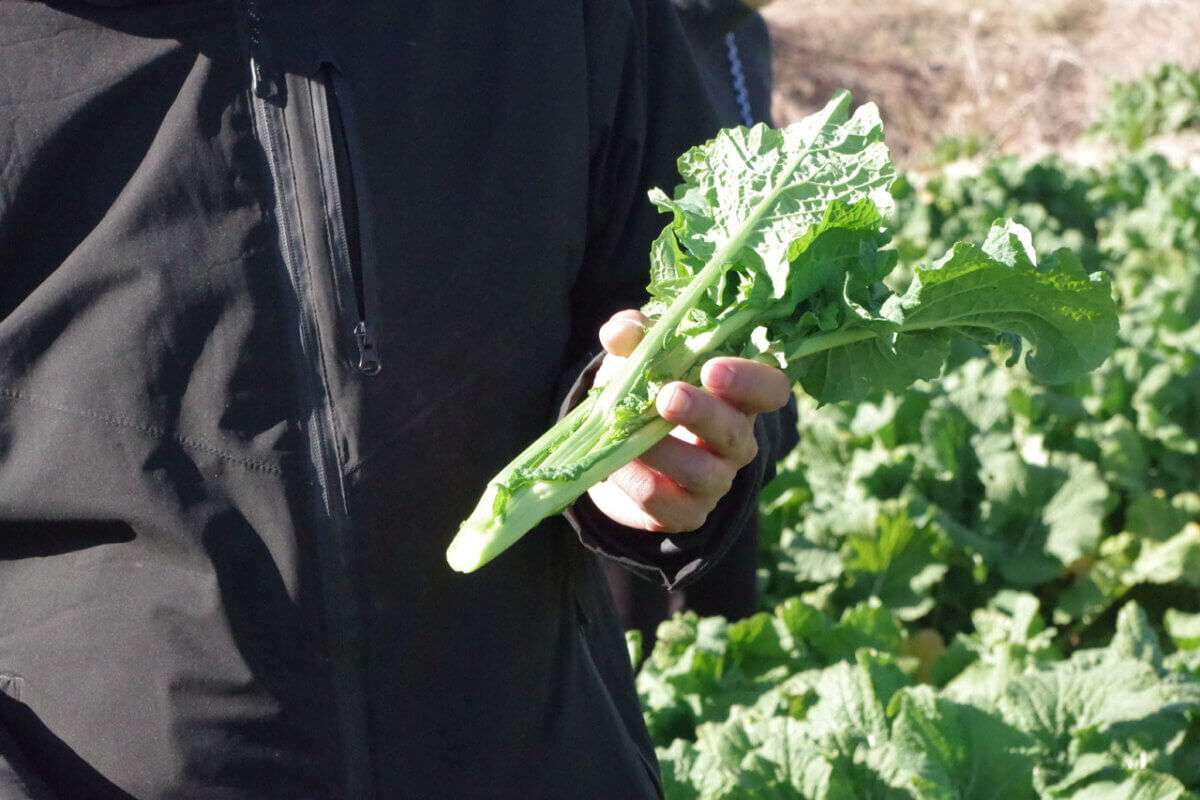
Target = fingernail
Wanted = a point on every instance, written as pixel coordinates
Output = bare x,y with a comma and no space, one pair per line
720,377
678,402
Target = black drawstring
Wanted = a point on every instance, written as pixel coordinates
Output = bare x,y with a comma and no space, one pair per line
739,79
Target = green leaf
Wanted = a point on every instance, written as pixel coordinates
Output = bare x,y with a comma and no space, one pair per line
1099,703
1134,638
755,645
1167,406
749,192
865,625
851,701
1066,315
1122,453
1176,559
1010,638
633,644
1098,777
675,767
1037,519
1127,561
866,356
979,755
1154,517
750,758
994,294
899,564
800,764
1183,628
1184,662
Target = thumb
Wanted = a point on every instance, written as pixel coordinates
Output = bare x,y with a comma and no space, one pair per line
621,334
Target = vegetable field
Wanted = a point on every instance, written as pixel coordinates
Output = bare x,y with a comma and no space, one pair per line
981,587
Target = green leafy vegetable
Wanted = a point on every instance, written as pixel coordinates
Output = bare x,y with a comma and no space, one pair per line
1165,101
776,251
1106,722
1030,553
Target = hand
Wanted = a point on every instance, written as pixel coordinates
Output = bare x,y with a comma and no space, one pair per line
676,484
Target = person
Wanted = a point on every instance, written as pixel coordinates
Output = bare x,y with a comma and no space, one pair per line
282,284
732,49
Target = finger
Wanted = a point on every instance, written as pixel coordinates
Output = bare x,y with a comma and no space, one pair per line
747,385
666,506
696,470
608,367
621,334
722,428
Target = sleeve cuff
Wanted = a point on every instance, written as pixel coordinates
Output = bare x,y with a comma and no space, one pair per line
673,560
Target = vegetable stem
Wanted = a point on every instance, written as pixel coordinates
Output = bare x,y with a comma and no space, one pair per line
482,537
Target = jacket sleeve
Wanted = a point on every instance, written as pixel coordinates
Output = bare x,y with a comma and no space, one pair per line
17,781
648,105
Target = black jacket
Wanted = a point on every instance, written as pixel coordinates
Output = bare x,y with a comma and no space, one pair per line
221,526
738,82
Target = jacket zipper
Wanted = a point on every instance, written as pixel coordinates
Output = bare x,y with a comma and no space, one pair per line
268,101
346,215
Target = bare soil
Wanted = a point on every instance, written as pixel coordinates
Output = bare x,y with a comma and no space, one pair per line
1025,75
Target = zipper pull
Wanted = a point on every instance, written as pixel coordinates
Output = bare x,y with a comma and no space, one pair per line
264,85
368,359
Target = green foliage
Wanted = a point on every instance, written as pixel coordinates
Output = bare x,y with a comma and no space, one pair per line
1082,492
791,722
1164,101
979,586
948,149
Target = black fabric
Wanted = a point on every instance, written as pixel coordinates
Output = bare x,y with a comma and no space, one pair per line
707,23
17,777
706,20
221,543
726,586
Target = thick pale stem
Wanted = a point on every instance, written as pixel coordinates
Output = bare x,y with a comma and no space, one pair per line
483,537
680,363
653,341
703,344
581,442
557,432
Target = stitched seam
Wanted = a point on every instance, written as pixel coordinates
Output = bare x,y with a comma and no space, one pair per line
120,422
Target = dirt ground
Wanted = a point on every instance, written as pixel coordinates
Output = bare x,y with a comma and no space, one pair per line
1025,75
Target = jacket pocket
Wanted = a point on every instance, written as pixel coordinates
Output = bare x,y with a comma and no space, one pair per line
583,624
352,263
